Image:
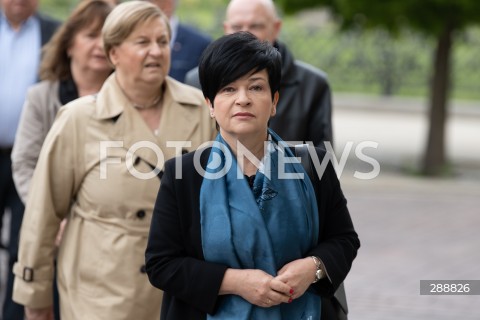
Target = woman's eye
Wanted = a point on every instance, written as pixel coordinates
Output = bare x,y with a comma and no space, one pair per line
163,43
228,89
256,88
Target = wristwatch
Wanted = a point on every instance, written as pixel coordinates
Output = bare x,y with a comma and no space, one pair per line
319,272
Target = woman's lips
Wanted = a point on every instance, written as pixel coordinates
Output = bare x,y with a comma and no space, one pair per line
243,115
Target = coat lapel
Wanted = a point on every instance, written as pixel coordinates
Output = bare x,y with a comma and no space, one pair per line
178,121
129,127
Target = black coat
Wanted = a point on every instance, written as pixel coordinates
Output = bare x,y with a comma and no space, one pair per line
304,110
174,255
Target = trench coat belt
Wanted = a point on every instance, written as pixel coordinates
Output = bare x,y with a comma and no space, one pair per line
132,227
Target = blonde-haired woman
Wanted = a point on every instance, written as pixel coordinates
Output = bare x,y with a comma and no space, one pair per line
100,167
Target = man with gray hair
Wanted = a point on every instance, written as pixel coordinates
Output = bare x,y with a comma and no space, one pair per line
304,111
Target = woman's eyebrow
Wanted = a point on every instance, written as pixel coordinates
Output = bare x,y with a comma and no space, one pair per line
255,78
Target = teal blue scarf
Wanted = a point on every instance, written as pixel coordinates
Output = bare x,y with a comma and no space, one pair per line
263,229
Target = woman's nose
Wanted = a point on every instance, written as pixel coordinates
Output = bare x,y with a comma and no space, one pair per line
155,49
242,97
99,42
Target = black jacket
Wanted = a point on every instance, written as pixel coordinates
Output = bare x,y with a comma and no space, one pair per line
304,111
174,255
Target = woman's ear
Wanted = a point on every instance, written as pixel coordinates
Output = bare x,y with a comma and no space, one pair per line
112,56
276,96
210,106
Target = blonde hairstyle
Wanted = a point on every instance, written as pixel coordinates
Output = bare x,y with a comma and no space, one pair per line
55,63
125,18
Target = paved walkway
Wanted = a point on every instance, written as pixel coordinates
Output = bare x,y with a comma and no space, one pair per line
399,126
411,228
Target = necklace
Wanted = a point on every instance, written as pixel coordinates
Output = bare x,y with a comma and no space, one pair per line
154,102
139,106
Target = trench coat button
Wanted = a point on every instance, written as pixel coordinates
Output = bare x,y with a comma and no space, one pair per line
143,269
141,214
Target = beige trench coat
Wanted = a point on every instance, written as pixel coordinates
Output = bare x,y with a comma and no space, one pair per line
85,173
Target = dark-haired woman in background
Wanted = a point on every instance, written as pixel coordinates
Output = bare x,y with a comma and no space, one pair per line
233,237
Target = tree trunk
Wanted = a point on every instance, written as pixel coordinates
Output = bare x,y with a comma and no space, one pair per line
434,161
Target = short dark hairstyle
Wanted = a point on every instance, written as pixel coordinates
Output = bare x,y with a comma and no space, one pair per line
235,55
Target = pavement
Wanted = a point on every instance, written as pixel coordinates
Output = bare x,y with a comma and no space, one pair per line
411,228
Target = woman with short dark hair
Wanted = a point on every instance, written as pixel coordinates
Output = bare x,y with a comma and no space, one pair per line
238,229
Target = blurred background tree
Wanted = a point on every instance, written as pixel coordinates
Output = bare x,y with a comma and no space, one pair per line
440,19
59,9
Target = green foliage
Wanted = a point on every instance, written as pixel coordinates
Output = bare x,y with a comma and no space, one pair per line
294,6
206,15
438,18
429,16
372,62
59,9
402,63
376,62
356,60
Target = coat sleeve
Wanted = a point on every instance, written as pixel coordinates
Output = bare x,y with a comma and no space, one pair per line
320,124
51,194
28,143
173,262
338,242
